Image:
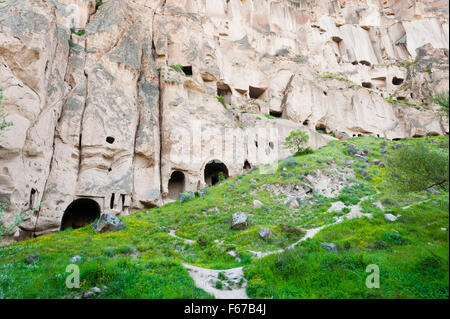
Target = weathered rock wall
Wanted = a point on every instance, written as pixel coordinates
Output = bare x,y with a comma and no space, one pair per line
98,113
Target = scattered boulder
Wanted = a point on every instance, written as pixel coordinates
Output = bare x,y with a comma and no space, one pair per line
341,135
265,233
292,202
75,259
96,290
352,149
107,223
32,258
390,217
361,157
329,247
376,161
383,150
202,192
257,204
239,221
185,196
88,294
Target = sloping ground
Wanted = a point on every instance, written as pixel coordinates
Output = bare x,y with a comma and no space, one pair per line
146,259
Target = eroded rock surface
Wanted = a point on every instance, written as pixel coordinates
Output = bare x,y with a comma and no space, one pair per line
99,113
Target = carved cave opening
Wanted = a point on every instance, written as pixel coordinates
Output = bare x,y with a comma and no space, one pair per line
397,81
224,91
176,184
256,93
187,70
213,170
80,213
276,113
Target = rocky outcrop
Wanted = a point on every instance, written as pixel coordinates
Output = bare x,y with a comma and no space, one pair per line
100,114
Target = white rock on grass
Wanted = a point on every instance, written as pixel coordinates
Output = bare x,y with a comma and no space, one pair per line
239,221
390,217
257,204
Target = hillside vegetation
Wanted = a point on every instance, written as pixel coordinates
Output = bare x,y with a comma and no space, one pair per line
333,183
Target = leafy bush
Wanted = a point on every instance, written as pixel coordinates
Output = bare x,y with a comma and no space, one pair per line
221,99
3,123
177,67
79,32
442,100
417,168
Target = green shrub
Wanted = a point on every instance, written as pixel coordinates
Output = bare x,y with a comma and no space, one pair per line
177,67
3,123
442,100
296,141
221,99
417,168
79,32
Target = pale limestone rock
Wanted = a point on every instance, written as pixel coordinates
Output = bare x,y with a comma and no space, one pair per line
104,117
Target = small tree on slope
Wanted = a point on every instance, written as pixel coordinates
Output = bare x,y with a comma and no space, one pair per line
296,141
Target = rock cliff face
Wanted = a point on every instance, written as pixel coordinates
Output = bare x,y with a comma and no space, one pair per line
122,105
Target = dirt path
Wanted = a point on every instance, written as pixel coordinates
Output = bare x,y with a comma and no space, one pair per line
206,279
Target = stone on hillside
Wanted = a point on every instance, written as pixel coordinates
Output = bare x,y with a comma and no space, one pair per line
341,135
292,202
239,221
257,204
75,259
361,157
31,259
107,223
185,196
390,217
96,290
383,150
265,233
352,149
202,192
329,247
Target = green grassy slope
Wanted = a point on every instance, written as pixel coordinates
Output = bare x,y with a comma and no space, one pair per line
144,261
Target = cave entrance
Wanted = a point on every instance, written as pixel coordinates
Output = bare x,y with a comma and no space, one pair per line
321,128
247,165
397,81
176,184
187,70
213,170
224,91
276,114
79,213
255,92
